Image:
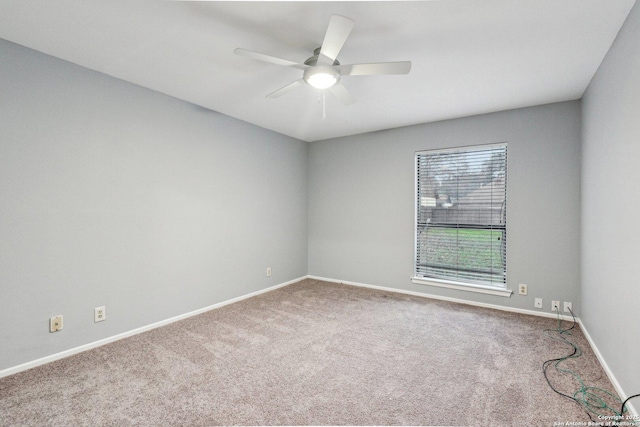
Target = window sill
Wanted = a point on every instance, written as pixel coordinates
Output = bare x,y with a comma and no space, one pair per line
463,286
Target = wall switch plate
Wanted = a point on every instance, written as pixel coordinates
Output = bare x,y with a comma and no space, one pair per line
268,271
538,303
555,306
568,307
55,324
522,289
99,314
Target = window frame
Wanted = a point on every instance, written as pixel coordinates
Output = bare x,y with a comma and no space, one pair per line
497,289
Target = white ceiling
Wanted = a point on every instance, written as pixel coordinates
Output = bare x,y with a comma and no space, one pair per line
469,56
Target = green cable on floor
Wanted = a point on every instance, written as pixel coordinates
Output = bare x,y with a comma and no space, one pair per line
592,399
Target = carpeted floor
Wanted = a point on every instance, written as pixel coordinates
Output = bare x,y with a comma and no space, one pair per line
314,353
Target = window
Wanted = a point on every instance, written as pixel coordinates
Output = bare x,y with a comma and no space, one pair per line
461,217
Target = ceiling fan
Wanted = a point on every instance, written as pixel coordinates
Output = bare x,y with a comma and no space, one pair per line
323,70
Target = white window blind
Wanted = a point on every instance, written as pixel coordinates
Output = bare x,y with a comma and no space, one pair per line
461,215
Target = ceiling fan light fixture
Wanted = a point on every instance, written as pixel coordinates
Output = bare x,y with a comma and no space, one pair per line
322,80
321,77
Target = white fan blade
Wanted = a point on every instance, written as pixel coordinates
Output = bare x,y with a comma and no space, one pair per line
375,69
342,93
286,89
270,59
335,37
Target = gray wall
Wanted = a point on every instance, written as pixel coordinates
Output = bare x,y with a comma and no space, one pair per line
361,202
111,194
611,207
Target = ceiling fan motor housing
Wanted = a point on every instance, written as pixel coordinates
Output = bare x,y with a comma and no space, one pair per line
320,76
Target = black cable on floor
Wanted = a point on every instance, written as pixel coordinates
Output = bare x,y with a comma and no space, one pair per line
548,363
590,399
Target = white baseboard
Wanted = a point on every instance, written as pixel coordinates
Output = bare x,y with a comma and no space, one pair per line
89,346
595,349
457,300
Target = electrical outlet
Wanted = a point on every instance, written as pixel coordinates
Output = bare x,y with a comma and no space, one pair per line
568,307
55,324
555,306
268,271
99,314
522,289
538,303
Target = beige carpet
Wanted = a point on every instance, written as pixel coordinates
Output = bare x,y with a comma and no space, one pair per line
314,353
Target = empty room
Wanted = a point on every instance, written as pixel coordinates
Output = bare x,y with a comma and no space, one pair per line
319,213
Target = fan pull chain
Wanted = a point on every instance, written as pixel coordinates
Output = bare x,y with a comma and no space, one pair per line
324,105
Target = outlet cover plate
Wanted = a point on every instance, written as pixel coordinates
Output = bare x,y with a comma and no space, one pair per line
522,289
538,303
55,324
100,314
